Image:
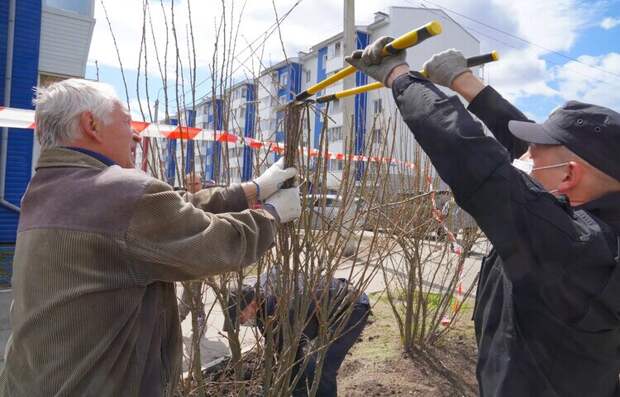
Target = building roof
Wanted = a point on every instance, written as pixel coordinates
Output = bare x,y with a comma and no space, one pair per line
440,14
337,36
279,65
380,19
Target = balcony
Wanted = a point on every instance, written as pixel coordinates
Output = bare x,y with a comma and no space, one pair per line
66,32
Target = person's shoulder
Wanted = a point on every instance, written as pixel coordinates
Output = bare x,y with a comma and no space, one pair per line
130,179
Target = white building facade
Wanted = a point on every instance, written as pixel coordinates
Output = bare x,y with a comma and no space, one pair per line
254,108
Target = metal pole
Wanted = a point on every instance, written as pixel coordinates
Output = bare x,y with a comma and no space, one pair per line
349,45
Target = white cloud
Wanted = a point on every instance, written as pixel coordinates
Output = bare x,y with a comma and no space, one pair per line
546,27
519,74
553,25
581,83
610,23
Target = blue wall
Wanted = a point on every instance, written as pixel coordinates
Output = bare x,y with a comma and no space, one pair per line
213,153
171,154
190,117
360,108
248,132
287,94
318,117
4,20
25,73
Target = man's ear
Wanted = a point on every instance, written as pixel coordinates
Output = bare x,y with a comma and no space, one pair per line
572,177
89,127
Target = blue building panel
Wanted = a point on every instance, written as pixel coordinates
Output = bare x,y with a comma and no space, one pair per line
4,22
289,77
248,132
360,108
190,117
294,80
214,149
171,155
27,31
320,75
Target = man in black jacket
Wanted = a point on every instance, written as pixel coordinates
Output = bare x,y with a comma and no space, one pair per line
348,314
547,314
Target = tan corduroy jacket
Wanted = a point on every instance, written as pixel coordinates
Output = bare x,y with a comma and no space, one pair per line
94,311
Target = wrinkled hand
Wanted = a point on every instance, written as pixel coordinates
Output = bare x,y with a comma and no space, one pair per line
284,205
270,181
446,66
373,63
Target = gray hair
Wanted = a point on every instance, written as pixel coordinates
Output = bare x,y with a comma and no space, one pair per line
59,106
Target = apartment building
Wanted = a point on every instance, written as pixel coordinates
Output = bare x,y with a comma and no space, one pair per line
259,115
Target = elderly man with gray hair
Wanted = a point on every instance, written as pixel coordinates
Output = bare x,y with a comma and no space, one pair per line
99,245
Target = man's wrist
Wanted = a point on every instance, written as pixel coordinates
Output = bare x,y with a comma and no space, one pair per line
396,73
467,85
251,192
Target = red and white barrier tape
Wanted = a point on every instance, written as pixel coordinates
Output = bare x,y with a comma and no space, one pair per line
24,118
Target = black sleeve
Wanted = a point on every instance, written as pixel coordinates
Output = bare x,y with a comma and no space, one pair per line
522,220
495,112
550,252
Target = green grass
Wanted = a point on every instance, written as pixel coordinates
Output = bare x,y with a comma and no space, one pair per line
381,339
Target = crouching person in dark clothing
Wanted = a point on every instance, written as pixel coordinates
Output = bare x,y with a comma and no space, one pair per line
349,310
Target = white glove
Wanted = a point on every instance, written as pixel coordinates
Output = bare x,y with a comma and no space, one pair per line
372,62
270,181
446,66
284,205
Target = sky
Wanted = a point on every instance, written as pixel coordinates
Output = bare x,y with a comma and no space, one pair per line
551,50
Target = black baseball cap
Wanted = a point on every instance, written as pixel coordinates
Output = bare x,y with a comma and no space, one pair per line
244,297
592,132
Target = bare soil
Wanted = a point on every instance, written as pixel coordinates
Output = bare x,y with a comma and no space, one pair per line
378,367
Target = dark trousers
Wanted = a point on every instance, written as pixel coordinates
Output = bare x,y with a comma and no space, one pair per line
335,355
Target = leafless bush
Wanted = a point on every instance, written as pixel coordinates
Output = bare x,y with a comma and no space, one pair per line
378,234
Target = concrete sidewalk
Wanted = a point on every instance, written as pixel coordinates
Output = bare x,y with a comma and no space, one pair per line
6,297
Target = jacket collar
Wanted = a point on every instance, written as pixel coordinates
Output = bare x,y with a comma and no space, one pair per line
606,208
104,159
64,157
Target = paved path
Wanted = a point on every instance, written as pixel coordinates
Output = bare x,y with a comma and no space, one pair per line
6,296
215,346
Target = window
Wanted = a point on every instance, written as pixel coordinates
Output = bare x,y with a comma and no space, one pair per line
334,134
243,92
79,7
284,79
334,107
324,60
377,136
308,76
336,165
377,106
234,153
334,50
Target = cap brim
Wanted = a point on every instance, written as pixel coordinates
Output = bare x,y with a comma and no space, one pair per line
531,133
